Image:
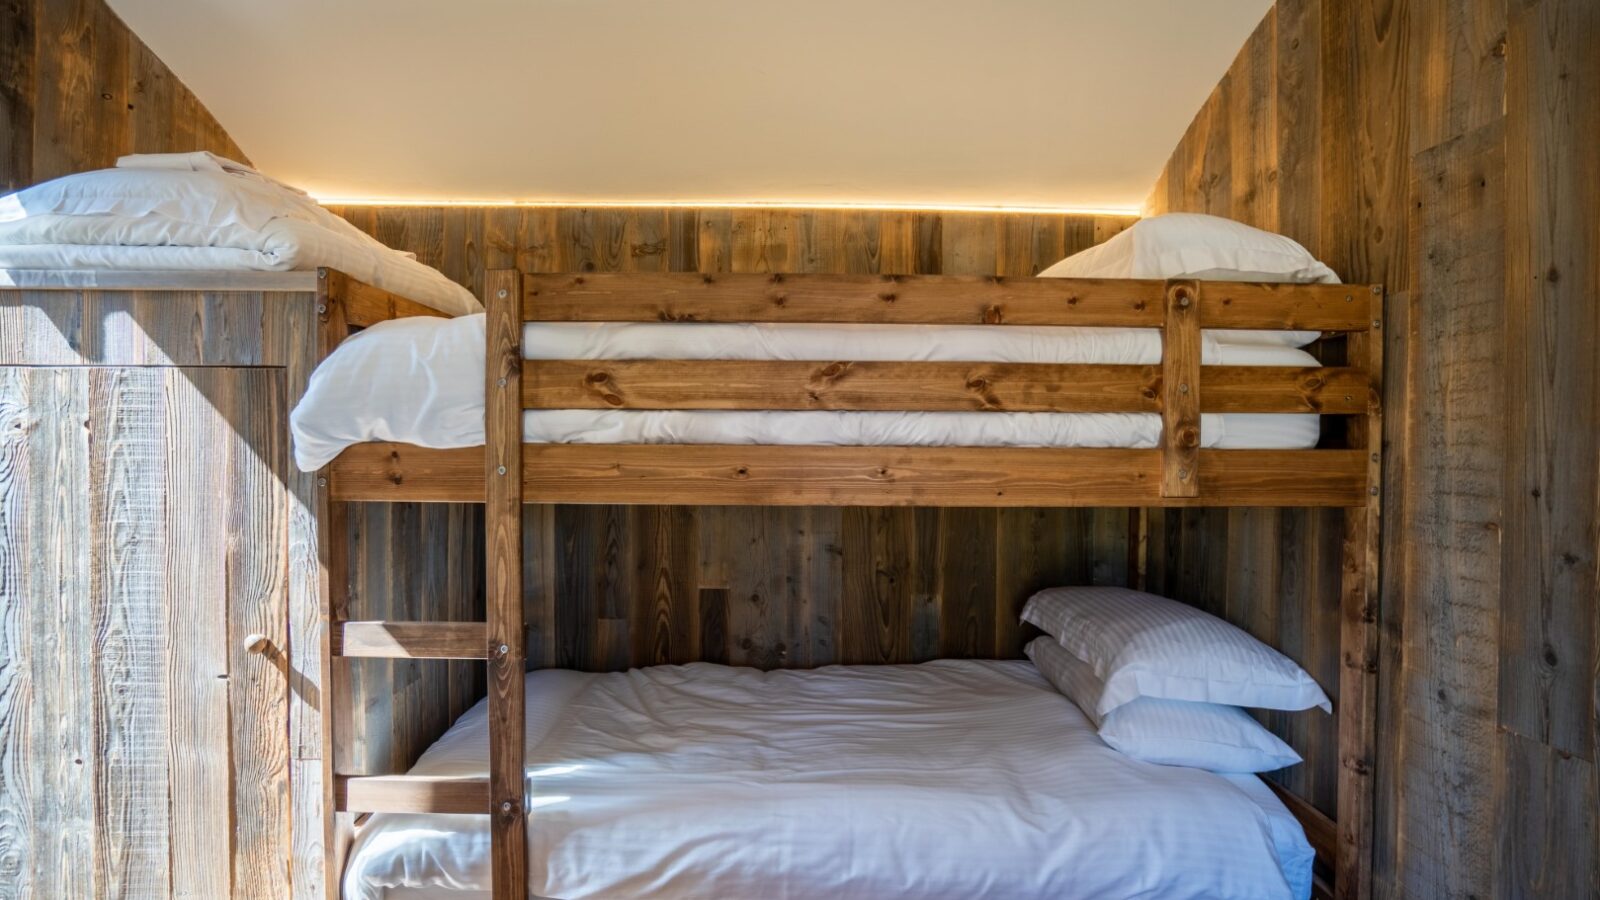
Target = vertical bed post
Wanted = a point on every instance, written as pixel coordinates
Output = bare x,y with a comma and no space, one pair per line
1180,391
333,548
503,582
1358,633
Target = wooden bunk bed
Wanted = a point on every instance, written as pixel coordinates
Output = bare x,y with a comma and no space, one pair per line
506,473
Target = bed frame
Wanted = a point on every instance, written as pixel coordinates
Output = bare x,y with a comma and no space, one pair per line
507,473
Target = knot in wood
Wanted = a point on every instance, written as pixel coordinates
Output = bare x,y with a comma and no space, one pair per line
1188,438
992,315
599,377
888,296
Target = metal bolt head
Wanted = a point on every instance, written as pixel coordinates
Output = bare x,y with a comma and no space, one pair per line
1373,490
507,806
321,308
322,482
1183,388
501,382
1183,300
501,293
501,470
1183,473
1376,324
504,649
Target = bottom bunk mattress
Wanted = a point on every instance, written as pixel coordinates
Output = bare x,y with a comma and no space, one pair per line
955,778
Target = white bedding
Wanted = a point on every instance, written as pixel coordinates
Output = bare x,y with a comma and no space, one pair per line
193,211
420,381
957,778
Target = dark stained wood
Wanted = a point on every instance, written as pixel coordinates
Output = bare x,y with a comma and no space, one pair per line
411,794
913,299
1180,391
503,498
1012,387
1441,148
854,476
78,89
419,640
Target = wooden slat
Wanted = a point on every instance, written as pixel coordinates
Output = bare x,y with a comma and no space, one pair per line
714,474
410,794
503,495
362,304
933,300
411,640
1180,391
958,386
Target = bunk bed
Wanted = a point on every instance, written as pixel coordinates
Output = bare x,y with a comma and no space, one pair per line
506,473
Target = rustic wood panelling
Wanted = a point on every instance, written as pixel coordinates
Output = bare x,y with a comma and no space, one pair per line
1444,149
78,89
773,587
144,752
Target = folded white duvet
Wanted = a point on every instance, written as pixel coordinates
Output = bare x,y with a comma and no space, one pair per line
214,218
952,779
420,381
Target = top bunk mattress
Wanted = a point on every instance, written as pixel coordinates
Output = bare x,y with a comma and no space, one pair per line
955,778
420,381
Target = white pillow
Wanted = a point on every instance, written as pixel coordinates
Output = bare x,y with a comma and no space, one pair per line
1142,645
1209,248
1166,732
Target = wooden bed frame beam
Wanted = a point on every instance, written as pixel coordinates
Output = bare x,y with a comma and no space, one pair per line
765,475
937,386
930,300
411,640
410,794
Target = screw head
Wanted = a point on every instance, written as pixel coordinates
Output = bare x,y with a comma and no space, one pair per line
322,482
502,382
501,470
321,308
501,293
1373,490
1183,388
504,649
1376,324
1183,473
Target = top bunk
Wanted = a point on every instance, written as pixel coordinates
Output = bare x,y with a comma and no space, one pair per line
1177,472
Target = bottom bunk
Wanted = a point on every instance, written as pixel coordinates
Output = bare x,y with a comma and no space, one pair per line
954,778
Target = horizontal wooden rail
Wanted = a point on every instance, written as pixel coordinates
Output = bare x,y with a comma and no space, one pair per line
946,386
410,794
757,474
411,640
932,300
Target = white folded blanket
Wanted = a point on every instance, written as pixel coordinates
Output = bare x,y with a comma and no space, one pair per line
196,211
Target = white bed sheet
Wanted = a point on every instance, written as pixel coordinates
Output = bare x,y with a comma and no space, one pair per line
419,381
956,778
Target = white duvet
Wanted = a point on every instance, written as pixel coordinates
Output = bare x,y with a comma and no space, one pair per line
420,381
194,211
951,779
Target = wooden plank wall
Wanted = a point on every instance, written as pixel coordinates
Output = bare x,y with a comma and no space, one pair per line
78,89
775,587
1446,149
143,751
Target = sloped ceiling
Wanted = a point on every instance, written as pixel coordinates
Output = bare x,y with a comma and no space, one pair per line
1041,103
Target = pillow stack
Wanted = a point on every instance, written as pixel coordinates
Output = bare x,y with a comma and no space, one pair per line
1163,681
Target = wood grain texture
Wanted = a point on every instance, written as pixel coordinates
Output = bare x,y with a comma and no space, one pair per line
921,300
417,640
411,794
954,386
503,498
1180,390
80,89
1440,148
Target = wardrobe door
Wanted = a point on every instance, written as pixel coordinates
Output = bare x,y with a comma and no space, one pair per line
143,525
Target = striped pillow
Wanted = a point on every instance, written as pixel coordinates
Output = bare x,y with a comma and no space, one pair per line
1142,645
1166,732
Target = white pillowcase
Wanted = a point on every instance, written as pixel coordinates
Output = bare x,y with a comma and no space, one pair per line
1141,645
1209,248
1166,732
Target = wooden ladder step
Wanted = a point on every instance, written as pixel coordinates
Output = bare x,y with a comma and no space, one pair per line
411,640
410,794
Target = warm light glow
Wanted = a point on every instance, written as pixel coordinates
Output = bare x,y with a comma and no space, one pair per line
740,204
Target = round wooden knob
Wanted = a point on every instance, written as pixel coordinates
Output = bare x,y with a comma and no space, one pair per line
257,643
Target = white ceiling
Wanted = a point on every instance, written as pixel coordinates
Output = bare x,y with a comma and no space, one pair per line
1046,103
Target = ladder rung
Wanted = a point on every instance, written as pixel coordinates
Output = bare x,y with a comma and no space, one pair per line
410,794
415,640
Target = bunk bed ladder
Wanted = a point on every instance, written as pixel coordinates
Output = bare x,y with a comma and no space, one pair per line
499,640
